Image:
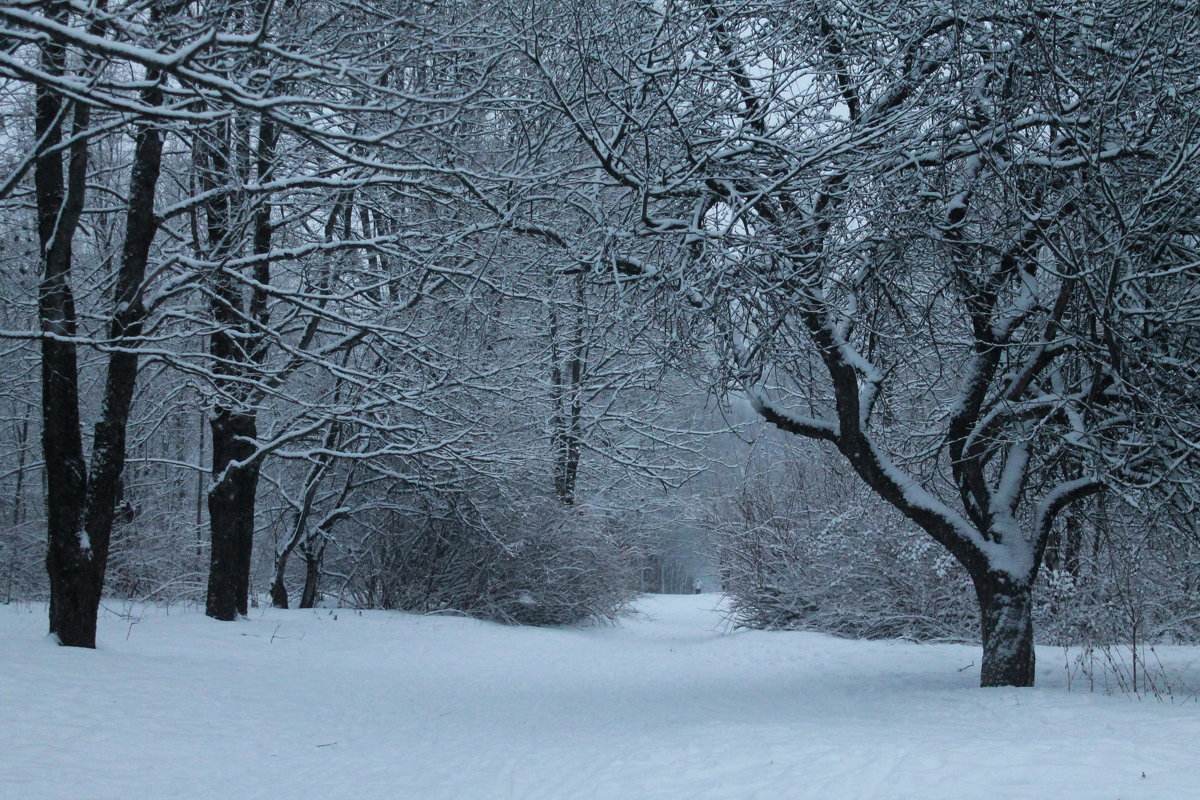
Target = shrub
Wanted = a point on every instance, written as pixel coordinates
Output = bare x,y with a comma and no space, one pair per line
536,562
854,571
802,552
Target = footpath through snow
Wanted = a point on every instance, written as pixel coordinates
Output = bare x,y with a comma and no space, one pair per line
291,705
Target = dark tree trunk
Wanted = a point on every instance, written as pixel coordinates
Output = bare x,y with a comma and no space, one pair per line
74,597
312,576
81,505
238,349
200,493
1006,625
104,487
248,491
575,369
231,514
279,595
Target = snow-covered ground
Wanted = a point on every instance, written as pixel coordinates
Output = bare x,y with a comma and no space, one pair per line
302,704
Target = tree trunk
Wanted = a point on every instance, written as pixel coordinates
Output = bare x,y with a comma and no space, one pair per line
1072,542
104,488
18,515
312,576
200,495
279,595
566,396
1006,623
59,206
248,491
81,503
239,349
231,514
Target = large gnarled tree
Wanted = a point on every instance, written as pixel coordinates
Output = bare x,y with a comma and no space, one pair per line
904,222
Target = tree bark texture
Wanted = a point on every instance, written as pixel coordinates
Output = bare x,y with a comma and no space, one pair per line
1006,623
312,576
231,513
279,595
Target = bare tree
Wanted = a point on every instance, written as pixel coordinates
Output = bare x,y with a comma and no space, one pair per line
897,221
81,498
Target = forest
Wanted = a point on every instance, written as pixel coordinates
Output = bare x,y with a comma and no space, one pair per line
880,317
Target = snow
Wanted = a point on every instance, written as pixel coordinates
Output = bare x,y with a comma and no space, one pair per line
336,704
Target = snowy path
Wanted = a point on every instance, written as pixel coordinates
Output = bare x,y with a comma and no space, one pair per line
295,705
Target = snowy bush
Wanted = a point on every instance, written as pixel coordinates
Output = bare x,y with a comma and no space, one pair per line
1131,581
1134,578
23,562
156,556
798,549
794,553
562,567
860,582
536,562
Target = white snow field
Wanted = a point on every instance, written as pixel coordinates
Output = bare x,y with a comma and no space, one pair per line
290,705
